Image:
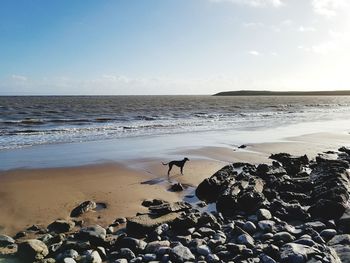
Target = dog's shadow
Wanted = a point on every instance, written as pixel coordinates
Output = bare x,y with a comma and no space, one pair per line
160,180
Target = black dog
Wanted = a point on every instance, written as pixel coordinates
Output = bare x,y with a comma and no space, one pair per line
180,164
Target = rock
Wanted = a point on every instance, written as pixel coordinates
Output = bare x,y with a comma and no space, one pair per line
126,253
245,239
95,234
242,146
121,260
153,247
296,253
249,227
149,257
203,250
327,209
283,236
152,202
344,221
83,208
266,225
32,249
70,253
142,224
328,234
340,240
212,258
211,188
61,226
93,257
181,253
263,214
6,241
134,244
266,259
68,260
292,164
177,187
170,208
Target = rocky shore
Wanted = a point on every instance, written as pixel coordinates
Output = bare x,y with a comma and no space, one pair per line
295,210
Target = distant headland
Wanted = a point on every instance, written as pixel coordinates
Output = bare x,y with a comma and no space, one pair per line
283,93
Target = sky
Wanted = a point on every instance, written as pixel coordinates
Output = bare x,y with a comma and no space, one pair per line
125,47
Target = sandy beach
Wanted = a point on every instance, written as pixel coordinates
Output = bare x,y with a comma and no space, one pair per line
39,196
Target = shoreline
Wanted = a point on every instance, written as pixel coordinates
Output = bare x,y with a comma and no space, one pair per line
41,195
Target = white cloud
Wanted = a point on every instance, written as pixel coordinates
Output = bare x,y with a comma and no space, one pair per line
306,29
254,53
19,77
253,3
328,8
253,24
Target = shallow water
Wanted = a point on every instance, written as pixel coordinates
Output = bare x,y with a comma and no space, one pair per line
29,121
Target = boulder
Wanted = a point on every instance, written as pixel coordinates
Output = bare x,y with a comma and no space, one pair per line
169,208
211,188
83,208
6,240
61,226
177,187
32,250
142,224
296,253
181,253
95,234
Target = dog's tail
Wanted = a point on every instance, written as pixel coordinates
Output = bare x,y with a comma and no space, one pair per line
165,163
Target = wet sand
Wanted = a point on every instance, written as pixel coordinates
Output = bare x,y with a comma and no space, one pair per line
39,196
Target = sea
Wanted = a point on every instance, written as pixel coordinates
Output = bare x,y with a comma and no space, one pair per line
26,121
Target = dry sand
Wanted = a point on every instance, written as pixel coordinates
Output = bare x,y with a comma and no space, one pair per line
39,196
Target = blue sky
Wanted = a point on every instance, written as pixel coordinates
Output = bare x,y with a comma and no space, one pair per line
172,46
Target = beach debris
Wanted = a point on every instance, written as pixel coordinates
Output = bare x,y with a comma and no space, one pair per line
83,208
293,210
243,146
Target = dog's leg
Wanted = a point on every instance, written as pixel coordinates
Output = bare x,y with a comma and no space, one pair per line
170,167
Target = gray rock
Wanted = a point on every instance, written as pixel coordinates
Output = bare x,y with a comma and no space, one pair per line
203,250
134,244
126,253
296,253
263,214
142,224
93,257
149,257
328,234
94,233
32,249
267,225
266,259
153,247
181,253
245,239
249,227
6,240
284,236
70,253
121,260
340,240
68,260
83,208
212,258
61,226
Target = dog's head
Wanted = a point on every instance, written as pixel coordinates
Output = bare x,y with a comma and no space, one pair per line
186,159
